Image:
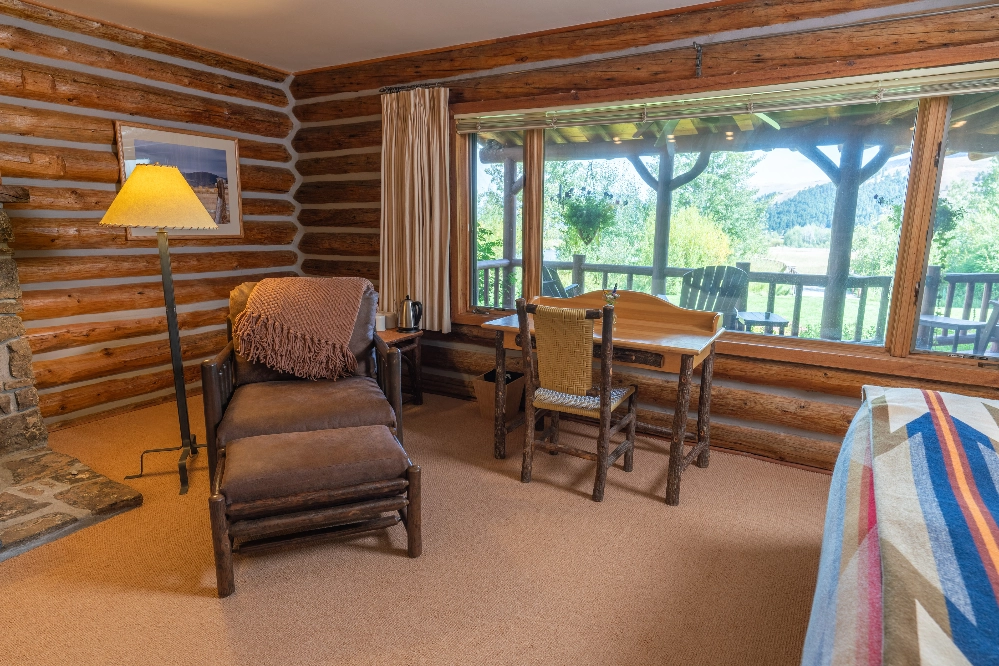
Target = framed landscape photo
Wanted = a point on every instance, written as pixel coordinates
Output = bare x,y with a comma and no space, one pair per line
208,162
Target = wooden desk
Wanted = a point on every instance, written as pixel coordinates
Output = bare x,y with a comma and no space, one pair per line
649,333
408,344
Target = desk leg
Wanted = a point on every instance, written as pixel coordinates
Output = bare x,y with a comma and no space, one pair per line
679,430
417,373
704,409
499,423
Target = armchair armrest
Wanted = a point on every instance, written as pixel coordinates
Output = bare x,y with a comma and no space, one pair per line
218,382
390,379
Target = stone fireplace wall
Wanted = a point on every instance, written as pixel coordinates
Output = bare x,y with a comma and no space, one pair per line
21,425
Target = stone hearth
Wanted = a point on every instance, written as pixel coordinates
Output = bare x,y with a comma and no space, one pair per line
43,494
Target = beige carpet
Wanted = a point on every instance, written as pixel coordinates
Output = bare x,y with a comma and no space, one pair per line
511,573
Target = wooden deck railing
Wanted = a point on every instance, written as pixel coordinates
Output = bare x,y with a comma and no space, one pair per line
966,290
494,274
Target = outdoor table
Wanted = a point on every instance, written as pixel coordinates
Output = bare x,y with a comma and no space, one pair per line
649,333
768,319
950,323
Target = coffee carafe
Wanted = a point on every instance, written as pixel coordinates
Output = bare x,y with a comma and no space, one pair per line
410,313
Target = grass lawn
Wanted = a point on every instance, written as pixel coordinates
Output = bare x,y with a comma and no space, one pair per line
811,260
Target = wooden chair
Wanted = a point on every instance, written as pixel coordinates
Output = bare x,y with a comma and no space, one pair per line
715,289
562,382
551,284
986,333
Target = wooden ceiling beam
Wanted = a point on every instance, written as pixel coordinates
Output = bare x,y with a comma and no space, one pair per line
574,42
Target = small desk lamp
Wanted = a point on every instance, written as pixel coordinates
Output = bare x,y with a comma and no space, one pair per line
158,197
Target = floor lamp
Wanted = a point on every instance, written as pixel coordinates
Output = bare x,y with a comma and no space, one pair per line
158,197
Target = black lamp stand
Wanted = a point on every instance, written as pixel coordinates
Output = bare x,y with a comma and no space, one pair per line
188,443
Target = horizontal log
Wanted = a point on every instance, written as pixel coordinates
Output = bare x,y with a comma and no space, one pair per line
474,335
795,449
54,269
44,124
349,245
26,41
260,178
907,35
834,381
263,150
339,191
23,160
136,39
65,198
78,198
338,109
67,336
41,233
13,194
361,218
268,207
52,303
454,387
59,86
67,401
127,358
784,76
465,361
323,166
812,415
762,54
337,268
574,42
338,137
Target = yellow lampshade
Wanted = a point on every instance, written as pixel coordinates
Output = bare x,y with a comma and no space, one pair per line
157,197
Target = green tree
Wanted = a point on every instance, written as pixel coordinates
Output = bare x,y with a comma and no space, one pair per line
724,193
875,246
964,240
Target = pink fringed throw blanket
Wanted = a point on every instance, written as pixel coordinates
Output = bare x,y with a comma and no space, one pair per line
301,326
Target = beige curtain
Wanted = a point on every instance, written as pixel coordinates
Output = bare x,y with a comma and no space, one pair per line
416,213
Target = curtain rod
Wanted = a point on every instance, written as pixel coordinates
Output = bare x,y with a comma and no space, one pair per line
414,86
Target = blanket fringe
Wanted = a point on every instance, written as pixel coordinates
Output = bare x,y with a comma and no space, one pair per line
263,340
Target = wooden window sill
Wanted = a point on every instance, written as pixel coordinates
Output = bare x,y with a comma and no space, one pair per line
833,355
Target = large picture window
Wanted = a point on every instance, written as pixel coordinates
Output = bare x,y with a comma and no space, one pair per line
783,210
961,298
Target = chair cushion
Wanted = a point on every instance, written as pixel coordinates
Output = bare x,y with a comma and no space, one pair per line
582,405
361,345
268,408
270,466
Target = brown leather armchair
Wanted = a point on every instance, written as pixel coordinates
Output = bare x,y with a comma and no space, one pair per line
306,459
245,399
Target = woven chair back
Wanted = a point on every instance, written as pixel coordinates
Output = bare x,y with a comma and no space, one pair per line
564,339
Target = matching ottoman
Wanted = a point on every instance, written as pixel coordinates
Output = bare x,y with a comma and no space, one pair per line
300,486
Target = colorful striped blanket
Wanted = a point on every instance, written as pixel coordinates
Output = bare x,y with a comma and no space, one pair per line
909,572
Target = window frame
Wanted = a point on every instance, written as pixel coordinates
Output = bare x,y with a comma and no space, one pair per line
896,357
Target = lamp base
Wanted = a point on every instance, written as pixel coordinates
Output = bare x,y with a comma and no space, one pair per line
186,451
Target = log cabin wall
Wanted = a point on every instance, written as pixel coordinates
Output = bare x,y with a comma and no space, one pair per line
776,407
93,303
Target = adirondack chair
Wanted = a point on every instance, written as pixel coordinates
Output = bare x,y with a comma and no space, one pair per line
715,289
551,284
986,334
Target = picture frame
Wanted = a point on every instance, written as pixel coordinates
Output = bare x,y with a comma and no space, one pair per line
209,163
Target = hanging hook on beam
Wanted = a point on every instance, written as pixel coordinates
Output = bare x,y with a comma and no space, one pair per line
699,50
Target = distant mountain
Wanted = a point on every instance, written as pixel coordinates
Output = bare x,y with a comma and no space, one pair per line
814,205
201,178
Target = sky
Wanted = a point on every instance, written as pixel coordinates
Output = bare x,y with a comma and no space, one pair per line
188,159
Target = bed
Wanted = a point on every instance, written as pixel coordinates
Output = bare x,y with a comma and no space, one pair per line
909,572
